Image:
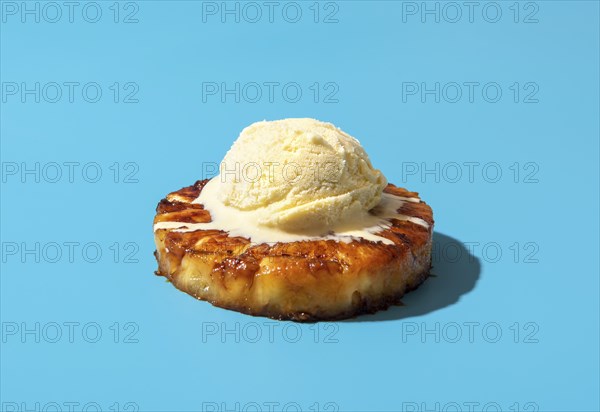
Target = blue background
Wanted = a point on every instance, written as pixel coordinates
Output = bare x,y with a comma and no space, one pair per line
372,364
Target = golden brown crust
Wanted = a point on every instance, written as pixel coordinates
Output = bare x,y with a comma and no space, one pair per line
301,281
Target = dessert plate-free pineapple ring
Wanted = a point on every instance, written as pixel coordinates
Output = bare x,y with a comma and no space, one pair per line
305,281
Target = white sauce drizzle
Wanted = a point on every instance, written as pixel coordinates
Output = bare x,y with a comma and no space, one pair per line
240,223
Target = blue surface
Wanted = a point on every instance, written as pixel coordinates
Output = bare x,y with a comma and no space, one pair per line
515,254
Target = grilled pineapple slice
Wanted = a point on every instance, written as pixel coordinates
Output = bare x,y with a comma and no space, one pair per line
300,281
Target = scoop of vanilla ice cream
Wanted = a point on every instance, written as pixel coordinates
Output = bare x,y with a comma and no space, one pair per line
299,174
